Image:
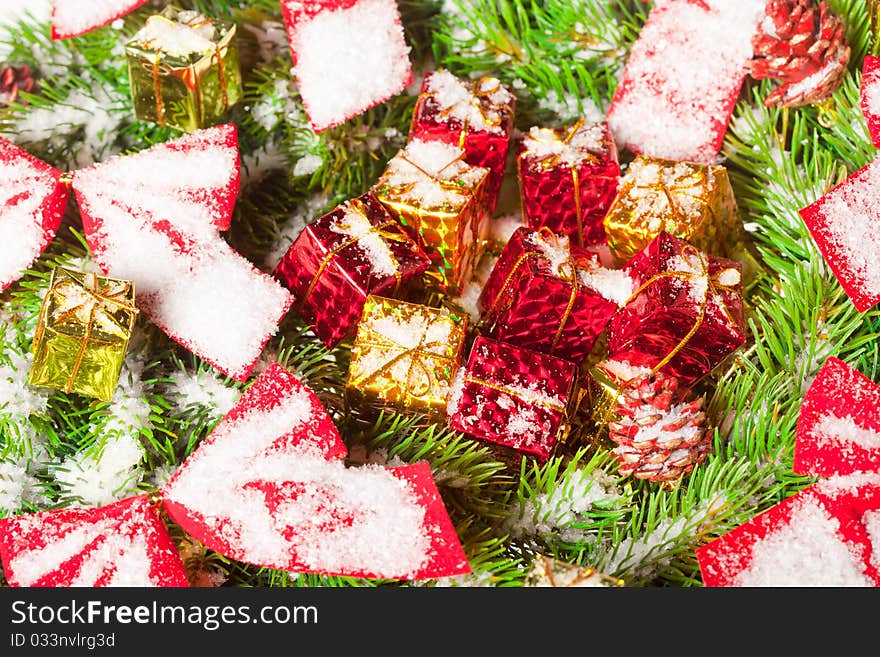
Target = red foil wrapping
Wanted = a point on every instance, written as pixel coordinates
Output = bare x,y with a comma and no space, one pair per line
539,296
513,397
568,178
337,260
686,314
476,115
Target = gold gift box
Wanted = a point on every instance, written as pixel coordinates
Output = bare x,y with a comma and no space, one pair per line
694,202
442,206
183,69
404,356
82,333
547,572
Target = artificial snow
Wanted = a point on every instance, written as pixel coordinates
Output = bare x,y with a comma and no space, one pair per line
328,517
683,76
805,551
459,100
73,17
586,142
173,38
103,475
347,60
422,165
871,520
871,91
837,430
612,284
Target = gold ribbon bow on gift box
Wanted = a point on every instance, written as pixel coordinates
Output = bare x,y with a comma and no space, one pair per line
567,271
94,310
357,206
477,100
424,357
631,232
549,161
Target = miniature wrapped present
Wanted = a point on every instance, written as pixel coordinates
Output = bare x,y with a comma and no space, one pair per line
184,70
685,315
568,178
546,295
337,260
440,200
82,333
404,357
476,115
515,397
694,202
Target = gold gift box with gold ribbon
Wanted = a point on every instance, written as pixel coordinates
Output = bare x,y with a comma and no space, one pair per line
82,333
441,201
694,202
184,69
404,356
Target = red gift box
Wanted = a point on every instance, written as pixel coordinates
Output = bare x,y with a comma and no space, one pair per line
546,295
568,178
869,96
686,314
476,115
683,77
514,397
339,259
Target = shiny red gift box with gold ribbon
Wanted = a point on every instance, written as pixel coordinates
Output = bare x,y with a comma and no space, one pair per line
340,258
546,295
476,115
568,178
515,397
686,313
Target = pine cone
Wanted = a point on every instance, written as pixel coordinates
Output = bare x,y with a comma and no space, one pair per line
659,436
802,45
13,80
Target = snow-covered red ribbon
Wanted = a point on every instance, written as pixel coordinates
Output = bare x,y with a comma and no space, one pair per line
828,534
268,486
154,218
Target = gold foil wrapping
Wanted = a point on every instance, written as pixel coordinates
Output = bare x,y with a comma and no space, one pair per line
188,90
694,202
451,233
546,572
404,356
82,333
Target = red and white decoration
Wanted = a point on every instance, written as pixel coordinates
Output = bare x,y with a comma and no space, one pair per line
122,544
155,218
32,201
683,77
845,224
269,486
829,533
348,56
71,18
869,95
838,431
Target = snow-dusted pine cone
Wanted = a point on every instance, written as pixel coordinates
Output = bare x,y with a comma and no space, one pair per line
12,81
659,436
802,44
